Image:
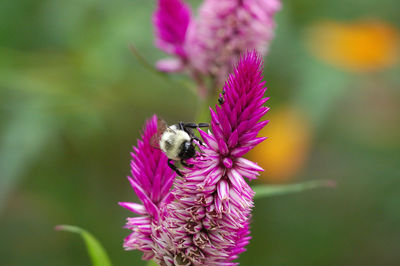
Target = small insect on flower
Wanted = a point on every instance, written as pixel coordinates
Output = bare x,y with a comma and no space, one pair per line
176,142
221,98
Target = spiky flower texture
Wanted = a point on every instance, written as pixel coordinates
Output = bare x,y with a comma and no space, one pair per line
151,179
225,29
204,219
210,44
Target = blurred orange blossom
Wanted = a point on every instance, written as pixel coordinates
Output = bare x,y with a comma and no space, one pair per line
360,46
285,151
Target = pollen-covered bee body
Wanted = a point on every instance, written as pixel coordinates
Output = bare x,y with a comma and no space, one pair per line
176,142
172,142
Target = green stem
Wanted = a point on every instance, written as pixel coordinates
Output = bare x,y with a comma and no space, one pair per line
276,190
161,74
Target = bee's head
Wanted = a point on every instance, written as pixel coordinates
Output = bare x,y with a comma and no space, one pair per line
187,150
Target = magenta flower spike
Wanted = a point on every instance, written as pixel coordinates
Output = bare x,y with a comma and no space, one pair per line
210,44
208,222
151,180
171,21
225,29
205,218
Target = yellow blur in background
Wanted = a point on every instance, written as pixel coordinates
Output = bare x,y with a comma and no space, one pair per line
361,45
286,150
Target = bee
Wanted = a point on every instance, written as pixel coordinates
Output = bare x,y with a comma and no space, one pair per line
176,142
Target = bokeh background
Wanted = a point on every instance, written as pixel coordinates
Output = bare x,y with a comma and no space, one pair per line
73,100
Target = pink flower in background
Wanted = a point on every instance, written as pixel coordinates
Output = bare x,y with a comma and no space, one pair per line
225,29
151,179
206,221
171,20
211,43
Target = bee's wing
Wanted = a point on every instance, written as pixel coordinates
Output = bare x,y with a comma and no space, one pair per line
161,128
161,125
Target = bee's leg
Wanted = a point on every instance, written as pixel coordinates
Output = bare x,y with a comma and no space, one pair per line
186,164
203,125
197,139
193,125
182,126
187,127
173,167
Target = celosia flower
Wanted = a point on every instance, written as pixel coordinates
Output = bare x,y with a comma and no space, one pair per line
223,30
209,219
171,21
227,28
207,222
151,179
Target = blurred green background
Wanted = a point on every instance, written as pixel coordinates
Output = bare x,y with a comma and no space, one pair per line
73,100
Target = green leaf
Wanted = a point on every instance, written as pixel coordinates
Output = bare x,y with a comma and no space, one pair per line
96,251
275,190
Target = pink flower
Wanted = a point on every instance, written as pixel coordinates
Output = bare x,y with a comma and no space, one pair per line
171,20
151,179
211,43
205,219
225,29
208,222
